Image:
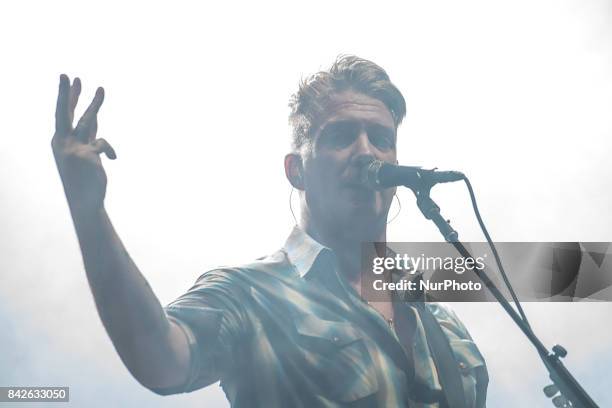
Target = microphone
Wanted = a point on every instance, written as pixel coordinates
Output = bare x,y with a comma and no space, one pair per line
379,175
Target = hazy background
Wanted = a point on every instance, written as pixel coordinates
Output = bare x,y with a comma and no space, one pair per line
517,95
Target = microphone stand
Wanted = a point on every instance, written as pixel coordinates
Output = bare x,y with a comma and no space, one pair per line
560,376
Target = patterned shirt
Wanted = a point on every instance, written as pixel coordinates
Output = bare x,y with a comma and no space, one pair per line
288,331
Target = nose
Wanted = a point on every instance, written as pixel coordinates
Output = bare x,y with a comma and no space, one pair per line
364,152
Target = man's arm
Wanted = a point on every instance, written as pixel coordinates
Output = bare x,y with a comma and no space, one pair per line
153,348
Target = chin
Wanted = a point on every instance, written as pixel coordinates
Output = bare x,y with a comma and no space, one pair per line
370,212
363,224
365,233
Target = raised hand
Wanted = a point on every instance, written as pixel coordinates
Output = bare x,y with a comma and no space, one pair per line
77,151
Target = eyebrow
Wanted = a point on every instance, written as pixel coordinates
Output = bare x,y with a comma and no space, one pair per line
378,126
339,124
344,125
346,122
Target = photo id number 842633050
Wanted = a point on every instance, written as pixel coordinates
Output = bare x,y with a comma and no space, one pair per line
34,394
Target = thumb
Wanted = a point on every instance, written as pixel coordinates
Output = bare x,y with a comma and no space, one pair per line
102,146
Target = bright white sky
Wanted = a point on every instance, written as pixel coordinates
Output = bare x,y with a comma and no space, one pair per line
517,95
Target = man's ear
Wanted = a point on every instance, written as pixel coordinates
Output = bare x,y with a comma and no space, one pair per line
294,170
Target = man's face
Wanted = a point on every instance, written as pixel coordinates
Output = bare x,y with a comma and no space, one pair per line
354,129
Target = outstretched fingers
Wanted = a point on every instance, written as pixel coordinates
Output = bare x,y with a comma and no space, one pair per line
75,91
102,146
62,116
87,126
86,129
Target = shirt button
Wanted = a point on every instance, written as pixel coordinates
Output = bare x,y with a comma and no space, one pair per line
462,366
336,339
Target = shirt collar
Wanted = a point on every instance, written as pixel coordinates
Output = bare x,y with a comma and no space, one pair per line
303,250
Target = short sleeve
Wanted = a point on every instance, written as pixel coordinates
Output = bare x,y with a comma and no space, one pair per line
213,316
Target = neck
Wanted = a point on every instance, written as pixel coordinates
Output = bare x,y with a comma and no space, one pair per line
346,246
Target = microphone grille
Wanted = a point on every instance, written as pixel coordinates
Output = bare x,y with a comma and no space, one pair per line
369,174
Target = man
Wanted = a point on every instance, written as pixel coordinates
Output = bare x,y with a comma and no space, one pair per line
291,329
